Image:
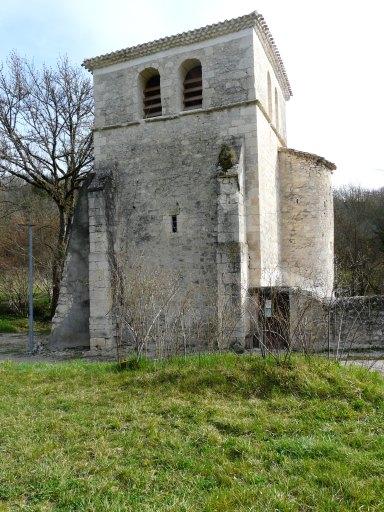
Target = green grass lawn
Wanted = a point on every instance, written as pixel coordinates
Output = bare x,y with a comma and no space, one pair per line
15,324
212,433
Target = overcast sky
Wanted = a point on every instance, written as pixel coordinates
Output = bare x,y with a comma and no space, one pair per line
332,50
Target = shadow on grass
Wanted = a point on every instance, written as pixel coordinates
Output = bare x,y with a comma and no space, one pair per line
253,376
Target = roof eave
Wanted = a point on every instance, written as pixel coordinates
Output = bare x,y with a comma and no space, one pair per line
311,156
252,20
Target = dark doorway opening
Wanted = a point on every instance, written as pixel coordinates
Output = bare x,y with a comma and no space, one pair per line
274,318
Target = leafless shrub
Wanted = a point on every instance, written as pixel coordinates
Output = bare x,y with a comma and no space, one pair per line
356,325
157,313
285,320
14,290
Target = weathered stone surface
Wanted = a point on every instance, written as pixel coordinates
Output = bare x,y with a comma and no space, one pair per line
70,325
214,171
306,225
358,323
341,325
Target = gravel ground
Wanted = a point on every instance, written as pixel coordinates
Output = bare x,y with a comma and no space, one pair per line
371,364
14,347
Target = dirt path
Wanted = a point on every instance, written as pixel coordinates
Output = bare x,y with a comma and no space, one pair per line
14,347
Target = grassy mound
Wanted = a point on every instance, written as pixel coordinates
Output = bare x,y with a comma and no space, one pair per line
212,433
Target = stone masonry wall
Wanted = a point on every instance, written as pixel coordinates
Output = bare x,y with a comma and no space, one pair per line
169,167
101,325
228,77
262,67
342,325
357,323
262,190
169,164
232,248
267,270
306,222
70,325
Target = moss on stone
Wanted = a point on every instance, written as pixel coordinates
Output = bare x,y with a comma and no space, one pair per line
227,157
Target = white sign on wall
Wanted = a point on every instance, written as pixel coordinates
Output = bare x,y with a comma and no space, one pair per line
268,308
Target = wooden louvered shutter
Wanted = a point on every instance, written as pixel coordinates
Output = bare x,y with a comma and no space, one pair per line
193,88
152,97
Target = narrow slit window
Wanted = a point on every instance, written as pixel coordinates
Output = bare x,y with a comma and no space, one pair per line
174,223
193,88
152,97
276,109
269,86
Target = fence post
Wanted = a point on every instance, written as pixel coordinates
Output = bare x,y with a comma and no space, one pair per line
30,290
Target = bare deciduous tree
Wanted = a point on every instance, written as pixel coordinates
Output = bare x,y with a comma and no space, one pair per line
46,120
21,203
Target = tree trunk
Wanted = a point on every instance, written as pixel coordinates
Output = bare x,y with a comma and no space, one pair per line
65,221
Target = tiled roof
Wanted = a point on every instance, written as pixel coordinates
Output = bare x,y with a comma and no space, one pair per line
253,19
318,159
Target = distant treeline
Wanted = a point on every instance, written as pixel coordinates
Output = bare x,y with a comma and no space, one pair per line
359,241
20,204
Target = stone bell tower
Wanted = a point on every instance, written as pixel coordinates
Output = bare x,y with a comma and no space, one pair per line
192,130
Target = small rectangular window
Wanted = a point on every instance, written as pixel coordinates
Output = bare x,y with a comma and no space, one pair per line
174,223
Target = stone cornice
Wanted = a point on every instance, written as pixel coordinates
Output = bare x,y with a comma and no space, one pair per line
253,19
311,156
196,112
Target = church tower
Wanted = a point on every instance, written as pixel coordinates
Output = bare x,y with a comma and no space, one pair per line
193,178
